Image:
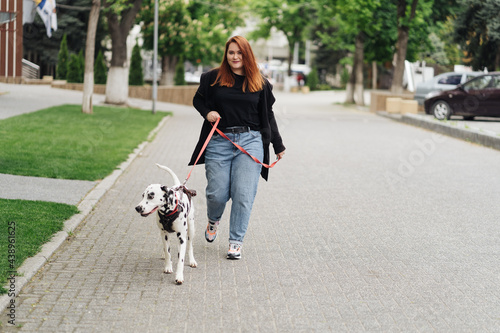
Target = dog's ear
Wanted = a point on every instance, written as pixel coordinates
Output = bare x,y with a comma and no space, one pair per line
164,189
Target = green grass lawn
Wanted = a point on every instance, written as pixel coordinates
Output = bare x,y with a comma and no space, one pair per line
24,227
62,142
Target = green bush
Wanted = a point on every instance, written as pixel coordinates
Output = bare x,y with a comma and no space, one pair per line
135,76
344,77
313,79
81,60
74,69
100,69
179,79
62,60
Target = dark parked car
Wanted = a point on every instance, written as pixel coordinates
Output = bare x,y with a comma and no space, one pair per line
478,97
445,81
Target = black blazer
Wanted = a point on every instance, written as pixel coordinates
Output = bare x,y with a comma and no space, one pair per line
268,126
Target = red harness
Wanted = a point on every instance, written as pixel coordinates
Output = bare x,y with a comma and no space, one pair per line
214,128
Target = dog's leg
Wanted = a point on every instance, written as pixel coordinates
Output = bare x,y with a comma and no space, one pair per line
179,273
191,230
168,257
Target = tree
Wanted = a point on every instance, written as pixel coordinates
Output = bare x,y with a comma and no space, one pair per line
62,59
88,79
72,19
292,17
100,69
121,16
136,76
355,21
405,15
196,31
477,29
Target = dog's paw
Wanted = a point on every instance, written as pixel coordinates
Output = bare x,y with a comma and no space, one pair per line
179,280
168,270
193,264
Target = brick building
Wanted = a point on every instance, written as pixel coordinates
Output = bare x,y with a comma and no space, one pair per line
11,40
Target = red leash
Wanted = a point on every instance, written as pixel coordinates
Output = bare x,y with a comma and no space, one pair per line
214,128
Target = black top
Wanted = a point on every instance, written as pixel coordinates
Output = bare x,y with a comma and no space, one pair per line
237,108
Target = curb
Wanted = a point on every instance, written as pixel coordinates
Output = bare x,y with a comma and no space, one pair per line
32,265
485,138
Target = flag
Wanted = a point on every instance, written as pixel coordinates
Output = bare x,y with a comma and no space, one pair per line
29,11
47,11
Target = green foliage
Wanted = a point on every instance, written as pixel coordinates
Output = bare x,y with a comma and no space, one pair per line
136,77
31,224
62,59
179,79
293,17
438,54
418,39
72,23
81,59
477,30
196,31
74,69
68,144
313,79
100,69
344,77
380,44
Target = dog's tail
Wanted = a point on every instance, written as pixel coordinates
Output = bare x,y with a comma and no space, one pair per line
174,176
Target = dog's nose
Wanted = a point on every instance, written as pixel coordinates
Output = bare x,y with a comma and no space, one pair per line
139,209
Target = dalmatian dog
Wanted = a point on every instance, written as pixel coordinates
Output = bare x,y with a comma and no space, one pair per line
175,218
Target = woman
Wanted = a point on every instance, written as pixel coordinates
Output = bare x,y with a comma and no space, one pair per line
242,98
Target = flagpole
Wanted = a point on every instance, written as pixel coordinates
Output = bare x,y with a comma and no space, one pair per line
155,57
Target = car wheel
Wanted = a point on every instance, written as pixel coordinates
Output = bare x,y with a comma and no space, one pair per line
441,110
468,117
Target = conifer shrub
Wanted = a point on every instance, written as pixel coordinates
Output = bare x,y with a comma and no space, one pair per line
62,60
313,79
73,69
100,69
179,79
136,77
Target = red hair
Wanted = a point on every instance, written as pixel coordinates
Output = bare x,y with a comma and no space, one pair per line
253,79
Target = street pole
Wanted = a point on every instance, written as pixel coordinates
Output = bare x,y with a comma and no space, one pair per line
155,58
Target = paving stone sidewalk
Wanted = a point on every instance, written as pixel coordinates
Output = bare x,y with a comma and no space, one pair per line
331,246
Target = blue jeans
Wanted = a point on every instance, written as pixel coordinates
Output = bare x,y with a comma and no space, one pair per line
233,175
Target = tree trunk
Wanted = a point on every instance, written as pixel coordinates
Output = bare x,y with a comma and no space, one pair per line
402,44
399,70
374,75
290,59
360,59
119,28
349,90
168,64
88,78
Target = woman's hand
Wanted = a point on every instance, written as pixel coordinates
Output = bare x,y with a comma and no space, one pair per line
280,155
212,116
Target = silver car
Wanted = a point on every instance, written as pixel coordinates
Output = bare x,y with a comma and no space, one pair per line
445,81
